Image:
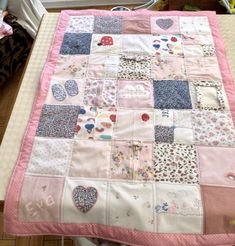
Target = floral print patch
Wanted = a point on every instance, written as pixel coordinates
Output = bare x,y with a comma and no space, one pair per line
76,43
171,94
81,24
208,50
108,24
168,45
213,128
101,93
175,163
134,67
58,121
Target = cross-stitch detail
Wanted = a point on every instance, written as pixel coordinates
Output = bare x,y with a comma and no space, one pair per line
58,92
108,24
58,121
171,94
76,43
71,87
208,50
213,128
218,99
168,45
164,134
134,67
80,24
175,163
84,198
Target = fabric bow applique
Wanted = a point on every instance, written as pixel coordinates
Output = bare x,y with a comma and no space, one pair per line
84,198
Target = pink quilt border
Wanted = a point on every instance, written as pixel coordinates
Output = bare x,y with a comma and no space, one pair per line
15,227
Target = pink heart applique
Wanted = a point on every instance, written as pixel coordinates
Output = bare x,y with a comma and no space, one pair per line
84,198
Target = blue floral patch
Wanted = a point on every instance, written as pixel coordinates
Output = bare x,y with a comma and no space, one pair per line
76,43
171,94
164,134
58,121
108,24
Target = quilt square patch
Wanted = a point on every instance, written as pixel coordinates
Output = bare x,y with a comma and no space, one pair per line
134,67
164,134
213,128
197,39
171,94
134,124
90,159
80,24
208,50
178,208
106,44
108,24
194,25
136,24
216,166
163,117
165,24
71,67
76,43
58,121
101,93
217,199
84,201
50,156
209,95
137,44
85,126
143,166
143,125
121,166
104,123
167,45
134,94
121,211
39,200
165,68
65,91
175,163
206,68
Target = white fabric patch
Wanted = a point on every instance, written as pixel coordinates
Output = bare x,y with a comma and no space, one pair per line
50,156
80,24
163,117
183,135
137,44
131,206
181,203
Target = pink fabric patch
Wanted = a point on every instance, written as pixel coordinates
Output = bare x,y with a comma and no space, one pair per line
40,200
219,209
217,166
136,24
135,94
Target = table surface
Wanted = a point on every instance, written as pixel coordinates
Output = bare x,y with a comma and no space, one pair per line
10,147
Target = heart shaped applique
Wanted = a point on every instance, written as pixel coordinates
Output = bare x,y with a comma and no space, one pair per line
164,23
84,198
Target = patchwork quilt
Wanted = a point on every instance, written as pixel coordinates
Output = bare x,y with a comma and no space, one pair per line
132,136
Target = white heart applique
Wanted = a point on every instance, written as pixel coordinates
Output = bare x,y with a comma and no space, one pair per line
84,198
164,23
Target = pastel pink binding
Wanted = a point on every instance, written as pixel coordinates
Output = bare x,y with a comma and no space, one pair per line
131,237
